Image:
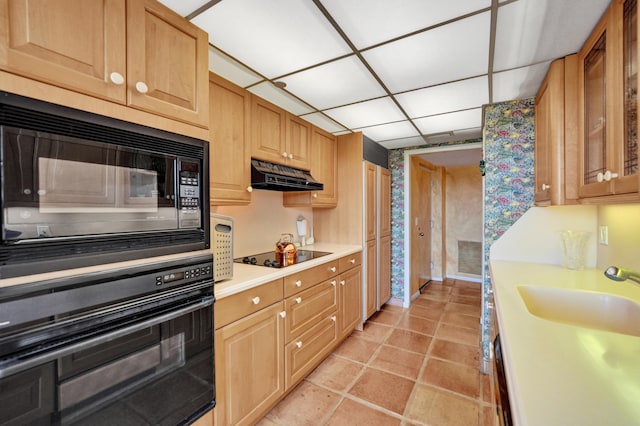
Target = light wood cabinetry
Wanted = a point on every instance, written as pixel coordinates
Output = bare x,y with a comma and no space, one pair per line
371,210
324,168
384,237
371,280
384,272
608,125
278,136
249,353
556,139
230,150
268,338
81,46
207,419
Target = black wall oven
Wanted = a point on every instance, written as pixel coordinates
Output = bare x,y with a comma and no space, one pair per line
80,189
121,347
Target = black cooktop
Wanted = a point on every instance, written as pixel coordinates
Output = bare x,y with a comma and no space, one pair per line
268,259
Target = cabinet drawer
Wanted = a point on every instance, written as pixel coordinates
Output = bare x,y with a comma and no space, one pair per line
307,307
304,353
348,262
305,279
239,305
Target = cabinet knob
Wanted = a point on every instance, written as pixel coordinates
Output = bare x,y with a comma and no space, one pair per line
290,156
249,189
116,78
283,314
333,283
141,87
545,186
333,318
298,299
298,283
352,261
256,300
342,282
299,344
332,269
606,176
284,155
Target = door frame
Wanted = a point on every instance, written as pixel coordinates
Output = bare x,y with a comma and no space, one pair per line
407,202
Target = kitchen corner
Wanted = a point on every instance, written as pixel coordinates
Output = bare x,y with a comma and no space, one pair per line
570,338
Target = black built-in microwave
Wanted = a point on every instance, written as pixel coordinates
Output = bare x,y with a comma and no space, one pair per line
79,189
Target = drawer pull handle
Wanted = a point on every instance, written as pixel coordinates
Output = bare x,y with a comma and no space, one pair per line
352,261
283,314
333,318
249,189
256,300
545,186
342,282
298,299
332,269
299,344
333,283
298,283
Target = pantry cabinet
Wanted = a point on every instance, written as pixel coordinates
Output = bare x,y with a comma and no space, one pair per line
137,53
556,135
608,127
278,136
230,149
324,168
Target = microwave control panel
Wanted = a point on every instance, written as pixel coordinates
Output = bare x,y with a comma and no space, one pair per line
189,195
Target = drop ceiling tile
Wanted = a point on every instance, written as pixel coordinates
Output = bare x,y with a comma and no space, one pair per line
266,90
519,83
401,129
370,113
450,122
375,21
275,37
447,53
184,7
324,122
532,31
403,143
334,84
233,71
460,95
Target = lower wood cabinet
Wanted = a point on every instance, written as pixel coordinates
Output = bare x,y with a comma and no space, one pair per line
266,343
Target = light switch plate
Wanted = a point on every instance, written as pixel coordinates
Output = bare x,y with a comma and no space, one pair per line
603,235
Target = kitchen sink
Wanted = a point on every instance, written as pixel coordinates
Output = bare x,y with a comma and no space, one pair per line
583,309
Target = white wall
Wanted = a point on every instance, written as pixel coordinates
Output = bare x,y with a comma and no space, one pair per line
623,250
535,237
257,227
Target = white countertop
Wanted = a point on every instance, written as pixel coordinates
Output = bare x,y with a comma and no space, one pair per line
249,276
560,374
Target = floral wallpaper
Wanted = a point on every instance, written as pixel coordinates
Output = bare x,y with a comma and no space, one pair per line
509,181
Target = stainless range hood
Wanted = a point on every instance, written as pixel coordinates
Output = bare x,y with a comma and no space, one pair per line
276,177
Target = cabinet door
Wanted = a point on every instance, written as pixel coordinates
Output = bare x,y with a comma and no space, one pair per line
350,300
384,270
384,200
371,204
249,360
75,44
230,156
297,142
372,278
167,63
268,127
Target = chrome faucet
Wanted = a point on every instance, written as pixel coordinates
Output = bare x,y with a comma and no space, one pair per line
620,274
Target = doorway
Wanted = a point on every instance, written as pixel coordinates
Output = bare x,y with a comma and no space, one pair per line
435,162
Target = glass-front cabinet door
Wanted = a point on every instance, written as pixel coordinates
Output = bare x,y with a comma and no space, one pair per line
608,90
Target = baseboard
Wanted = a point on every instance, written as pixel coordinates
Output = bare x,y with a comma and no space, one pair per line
472,278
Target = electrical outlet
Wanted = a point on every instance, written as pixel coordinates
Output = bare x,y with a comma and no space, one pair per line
603,235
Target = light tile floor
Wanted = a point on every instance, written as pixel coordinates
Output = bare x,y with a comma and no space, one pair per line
416,366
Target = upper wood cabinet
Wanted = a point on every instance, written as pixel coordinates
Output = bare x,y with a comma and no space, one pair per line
384,199
608,126
556,138
324,168
137,53
371,206
278,136
230,151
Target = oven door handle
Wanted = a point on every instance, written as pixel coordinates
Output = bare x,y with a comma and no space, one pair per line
14,367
